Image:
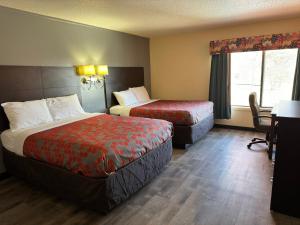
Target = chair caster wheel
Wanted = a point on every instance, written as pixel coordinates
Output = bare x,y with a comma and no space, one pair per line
248,146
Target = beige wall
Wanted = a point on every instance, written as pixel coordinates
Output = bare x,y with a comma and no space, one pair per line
180,64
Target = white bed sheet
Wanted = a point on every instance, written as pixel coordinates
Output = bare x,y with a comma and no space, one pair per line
14,140
125,110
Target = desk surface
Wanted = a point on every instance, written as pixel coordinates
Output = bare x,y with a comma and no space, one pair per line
287,109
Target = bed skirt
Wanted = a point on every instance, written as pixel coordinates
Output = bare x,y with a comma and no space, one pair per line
101,194
187,135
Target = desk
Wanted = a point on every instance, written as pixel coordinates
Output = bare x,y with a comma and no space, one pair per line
286,179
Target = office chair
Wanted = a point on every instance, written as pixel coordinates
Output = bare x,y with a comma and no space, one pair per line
259,124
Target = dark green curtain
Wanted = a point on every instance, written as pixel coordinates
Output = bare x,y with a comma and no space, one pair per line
296,86
219,88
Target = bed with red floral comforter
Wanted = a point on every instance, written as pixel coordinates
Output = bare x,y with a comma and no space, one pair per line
177,112
97,146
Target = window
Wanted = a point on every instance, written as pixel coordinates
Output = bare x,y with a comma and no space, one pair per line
268,73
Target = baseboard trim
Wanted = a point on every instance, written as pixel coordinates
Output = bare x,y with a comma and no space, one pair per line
4,176
234,127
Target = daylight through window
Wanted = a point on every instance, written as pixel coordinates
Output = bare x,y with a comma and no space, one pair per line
269,73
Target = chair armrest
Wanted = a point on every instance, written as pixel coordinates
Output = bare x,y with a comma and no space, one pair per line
265,117
265,110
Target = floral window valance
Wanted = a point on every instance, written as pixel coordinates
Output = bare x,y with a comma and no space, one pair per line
256,43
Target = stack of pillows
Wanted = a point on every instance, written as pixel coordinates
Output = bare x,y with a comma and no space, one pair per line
132,96
29,114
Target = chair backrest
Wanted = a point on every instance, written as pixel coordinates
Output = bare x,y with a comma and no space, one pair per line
254,109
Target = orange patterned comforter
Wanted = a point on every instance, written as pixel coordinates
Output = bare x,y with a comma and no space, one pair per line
177,112
99,145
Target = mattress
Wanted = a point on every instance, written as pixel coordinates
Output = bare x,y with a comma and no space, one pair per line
178,112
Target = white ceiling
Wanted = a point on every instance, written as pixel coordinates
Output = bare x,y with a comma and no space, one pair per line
150,18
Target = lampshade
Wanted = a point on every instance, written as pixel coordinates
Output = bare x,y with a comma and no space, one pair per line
86,70
101,70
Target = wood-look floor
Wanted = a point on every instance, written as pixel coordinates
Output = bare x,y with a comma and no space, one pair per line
216,182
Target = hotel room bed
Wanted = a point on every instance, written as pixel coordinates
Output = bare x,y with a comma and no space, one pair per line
191,119
100,188
192,128
95,160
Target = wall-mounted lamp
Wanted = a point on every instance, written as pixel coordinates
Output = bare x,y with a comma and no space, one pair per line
101,70
92,75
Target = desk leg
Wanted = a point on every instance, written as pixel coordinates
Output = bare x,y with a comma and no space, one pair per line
271,141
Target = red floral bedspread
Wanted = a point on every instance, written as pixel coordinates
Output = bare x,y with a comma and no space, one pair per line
177,112
99,145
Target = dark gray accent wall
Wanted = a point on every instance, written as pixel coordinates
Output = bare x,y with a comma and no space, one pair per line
33,40
30,39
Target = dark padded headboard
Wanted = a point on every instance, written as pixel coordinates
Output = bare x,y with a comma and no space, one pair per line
120,79
23,83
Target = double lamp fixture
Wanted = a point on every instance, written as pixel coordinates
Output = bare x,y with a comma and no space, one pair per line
92,75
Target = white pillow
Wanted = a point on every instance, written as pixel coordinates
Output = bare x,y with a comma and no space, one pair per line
26,114
140,93
125,98
64,107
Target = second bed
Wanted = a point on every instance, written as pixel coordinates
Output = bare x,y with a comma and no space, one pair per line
191,119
